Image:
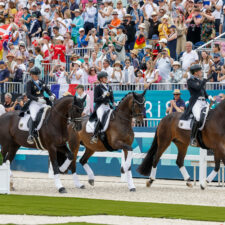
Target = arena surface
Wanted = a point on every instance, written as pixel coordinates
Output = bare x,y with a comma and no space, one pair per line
111,188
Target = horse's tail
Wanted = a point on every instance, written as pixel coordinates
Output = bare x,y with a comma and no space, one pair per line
146,166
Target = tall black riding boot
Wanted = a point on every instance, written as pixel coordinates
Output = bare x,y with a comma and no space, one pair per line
194,131
30,139
94,138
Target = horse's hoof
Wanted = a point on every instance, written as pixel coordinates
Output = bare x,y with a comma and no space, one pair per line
91,182
189,184
82,187
62,190
133,190
149,183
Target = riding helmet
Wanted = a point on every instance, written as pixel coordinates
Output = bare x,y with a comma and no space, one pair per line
195,68
35,71
102,74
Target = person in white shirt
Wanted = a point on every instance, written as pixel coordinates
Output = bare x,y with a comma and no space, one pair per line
128,73
149,7
2,109
120,10
101,20
81,94
117,74
77,74
108,69
60,74
216,6
89,16
189,56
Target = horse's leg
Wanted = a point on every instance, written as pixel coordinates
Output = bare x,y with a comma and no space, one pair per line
162,146
68,160
182,151
214,172
126,168
53,158
83,161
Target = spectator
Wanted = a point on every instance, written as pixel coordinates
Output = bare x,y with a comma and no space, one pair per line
148,54
154,25
81,42
15,34
216,6
101,20
95,62
89,16
22,52
130,31
216,67
19,69
163,45
128,73
4,75
39,58
92,76
2,109
107,68
164,63
68,43
163,28
35,28
115,23
10,63
173,5
222,22
8,104
55,34
76,24
26,17
189,57
86,68
111,55
30,65
91,38
176,75
73,7
119,43
18,105
172,41
59,73
134,60
137,15
139,79
151,74
77,75
206,63
221,75
59,51
148,8
177,104
117,74
120,10
106,13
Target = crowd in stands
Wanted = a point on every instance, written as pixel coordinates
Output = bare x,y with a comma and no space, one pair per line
143,42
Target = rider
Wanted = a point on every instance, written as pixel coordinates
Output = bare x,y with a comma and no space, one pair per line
197,101
35,92
103,95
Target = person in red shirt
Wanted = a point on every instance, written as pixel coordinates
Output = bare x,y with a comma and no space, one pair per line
59,51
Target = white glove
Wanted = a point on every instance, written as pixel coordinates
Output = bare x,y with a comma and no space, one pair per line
41,100
52,98
105,94
211,98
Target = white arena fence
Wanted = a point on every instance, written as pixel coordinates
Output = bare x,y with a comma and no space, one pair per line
19,87
202,158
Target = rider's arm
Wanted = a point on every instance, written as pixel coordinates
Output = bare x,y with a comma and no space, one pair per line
29,94
196,85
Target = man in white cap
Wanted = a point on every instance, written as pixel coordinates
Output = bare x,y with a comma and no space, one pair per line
77,74
163,45
81,41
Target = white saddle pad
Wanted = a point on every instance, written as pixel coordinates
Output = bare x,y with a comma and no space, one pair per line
24,121
90,126
186,124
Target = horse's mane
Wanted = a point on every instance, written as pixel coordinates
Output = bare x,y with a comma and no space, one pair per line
60,99
121,101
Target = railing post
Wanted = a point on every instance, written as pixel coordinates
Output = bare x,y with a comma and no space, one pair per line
202,164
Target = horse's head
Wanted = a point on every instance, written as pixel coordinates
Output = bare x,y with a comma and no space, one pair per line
138,104
76,112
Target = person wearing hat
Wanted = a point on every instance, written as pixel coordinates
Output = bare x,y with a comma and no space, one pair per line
103,96
134,60
177,104
153,26
172,41
216,67
163,45
77,75
35,28
77,23
120,10
197,101
89,16
10,63
81,40
115,23
19,69
37,100
148,54
117,74
81,94
59,73
176,75
164,27
130,28
59,50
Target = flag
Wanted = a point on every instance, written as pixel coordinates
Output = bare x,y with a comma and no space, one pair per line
6,35
140,43
60,89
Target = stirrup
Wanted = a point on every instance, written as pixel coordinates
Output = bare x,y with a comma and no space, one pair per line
30,140
193,143
94,140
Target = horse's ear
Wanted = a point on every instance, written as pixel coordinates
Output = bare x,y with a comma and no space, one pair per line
84,98
143,94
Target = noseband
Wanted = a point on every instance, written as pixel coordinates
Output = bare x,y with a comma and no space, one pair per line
133,114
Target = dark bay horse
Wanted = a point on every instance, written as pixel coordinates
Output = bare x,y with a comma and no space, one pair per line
53,134
213,136
119,134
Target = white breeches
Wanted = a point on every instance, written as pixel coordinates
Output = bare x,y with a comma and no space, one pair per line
101,110
197,108
34,109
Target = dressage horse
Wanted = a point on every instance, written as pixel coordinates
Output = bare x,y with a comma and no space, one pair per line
213,137
53,133
119,134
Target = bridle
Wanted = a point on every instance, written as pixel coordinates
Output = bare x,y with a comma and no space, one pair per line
133,114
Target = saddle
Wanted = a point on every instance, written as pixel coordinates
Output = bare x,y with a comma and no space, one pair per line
187,124
25,120
90,126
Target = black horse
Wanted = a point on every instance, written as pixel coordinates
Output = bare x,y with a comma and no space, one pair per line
53,134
